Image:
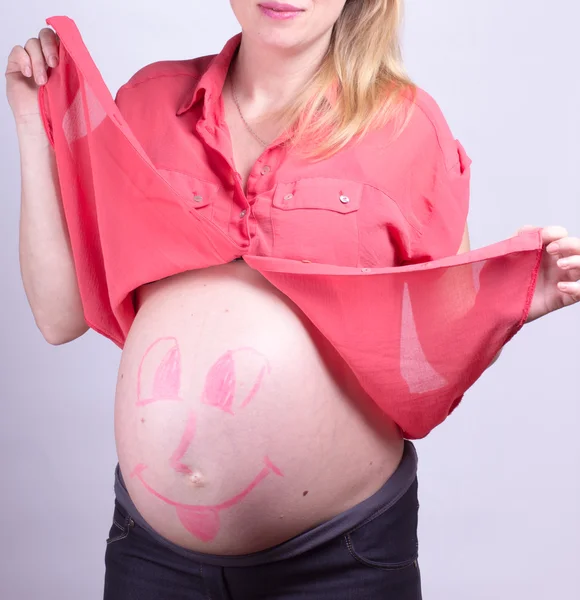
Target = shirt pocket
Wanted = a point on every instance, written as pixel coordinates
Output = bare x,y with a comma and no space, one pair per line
316,219
198,195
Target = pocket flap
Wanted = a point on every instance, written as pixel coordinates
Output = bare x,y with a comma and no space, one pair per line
322,193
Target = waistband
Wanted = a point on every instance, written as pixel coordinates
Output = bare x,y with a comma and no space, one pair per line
388,495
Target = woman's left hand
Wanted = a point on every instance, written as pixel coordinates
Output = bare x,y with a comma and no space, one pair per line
557,284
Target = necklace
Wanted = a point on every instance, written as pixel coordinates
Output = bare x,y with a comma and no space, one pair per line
242,116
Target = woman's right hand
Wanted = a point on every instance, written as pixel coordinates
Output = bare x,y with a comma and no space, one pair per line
26,70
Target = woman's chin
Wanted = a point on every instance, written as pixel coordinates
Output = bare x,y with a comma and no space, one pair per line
278,41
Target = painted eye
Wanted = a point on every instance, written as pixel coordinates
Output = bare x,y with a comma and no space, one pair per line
220,383
163,360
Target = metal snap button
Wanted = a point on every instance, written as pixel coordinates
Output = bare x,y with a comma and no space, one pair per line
288,196
266,170
243,213
345,199
198,198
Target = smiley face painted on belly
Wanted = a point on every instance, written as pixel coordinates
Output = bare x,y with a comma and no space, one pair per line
159,381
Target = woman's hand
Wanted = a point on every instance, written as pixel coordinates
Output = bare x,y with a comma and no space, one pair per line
26,70
557,284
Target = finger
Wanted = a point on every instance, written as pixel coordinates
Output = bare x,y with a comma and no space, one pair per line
572,288
19,62
37,58
552,234
570,262
49,45
567,246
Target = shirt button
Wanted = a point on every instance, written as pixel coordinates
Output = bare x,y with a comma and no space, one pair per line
345,199
198,198
288,196
265,170
243,213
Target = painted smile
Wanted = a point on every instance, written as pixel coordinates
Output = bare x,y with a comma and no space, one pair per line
203,521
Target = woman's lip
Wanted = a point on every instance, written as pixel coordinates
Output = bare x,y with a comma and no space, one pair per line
280,15
280,7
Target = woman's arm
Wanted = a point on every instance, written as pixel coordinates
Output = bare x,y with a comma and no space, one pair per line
46,261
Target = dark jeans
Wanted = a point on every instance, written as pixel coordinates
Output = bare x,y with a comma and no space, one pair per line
368,552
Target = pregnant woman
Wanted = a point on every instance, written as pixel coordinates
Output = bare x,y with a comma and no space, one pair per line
252,462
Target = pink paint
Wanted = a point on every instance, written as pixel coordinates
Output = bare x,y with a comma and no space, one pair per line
255,387
278,11
138,470
272,467
220,383
203,521
220,386
185,442
167,378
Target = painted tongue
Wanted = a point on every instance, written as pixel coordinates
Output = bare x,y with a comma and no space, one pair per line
201,522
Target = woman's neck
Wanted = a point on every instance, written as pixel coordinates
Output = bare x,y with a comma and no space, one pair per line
266,78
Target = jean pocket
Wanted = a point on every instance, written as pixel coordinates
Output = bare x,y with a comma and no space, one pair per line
388,538
122,525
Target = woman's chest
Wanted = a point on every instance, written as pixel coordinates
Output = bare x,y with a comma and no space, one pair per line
271,203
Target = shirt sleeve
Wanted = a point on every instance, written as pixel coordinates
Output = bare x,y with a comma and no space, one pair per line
438,186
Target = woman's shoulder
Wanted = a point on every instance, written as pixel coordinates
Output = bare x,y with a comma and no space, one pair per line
164,78
429,126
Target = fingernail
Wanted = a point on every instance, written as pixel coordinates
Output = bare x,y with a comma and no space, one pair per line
563,262
27,72
52,61
41,79
553,248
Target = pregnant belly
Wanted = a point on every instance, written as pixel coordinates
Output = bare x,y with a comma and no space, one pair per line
237,424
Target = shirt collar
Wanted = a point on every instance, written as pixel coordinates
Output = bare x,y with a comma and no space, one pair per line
212,81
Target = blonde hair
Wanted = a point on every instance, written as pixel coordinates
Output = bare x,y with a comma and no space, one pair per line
358,85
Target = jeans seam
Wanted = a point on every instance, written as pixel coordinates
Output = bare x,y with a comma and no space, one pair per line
129,524
384,566
118,538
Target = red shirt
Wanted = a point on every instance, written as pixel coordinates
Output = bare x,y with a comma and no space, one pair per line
364,243
375,203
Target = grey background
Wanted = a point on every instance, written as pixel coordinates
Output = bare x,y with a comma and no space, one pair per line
500,486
